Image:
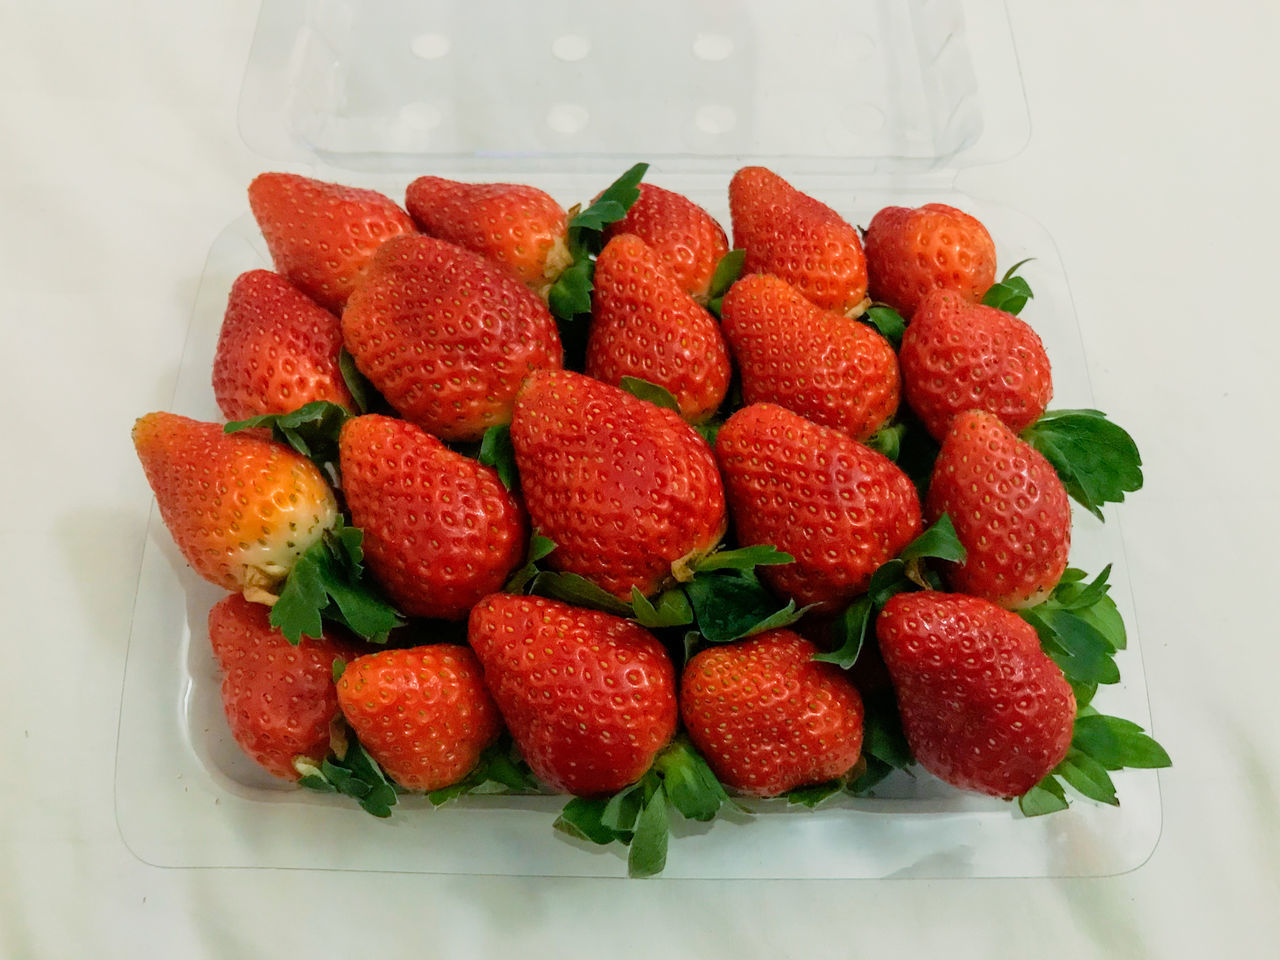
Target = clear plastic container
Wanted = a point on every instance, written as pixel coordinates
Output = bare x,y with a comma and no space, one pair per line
881,104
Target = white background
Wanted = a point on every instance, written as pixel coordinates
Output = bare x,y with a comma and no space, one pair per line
1152,161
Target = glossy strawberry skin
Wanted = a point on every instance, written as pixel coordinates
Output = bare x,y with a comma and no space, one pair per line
321,236
841,509
982,706
769,718
625,488
277,350
440,529
958,356
829,369
799,239
589,698
241,508
279,699
912,252
1009,508
422,713
519,226
644,325
447,336
685,239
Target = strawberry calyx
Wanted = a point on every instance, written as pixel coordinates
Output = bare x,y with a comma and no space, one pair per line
1097,460
727,272
1011,292
312,430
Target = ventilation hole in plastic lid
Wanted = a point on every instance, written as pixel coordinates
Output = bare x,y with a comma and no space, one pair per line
572,46
712,46
715,118
567,117
863,117
431,46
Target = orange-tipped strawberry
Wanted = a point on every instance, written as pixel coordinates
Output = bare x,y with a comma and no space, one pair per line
277,351
826,368
628,491
241,508
911,253
685,239
423,713
447,336
279,698
644,325
516,225
793,236
440,529
321,236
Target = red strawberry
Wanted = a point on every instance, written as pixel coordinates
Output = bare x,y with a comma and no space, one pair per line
516,225
1009,509
684,238
589,698
279,699
423,714
440,529
277,351
241,508
958,356
841,509
911,253
822,366
644,325
626,489
793,236
447,336
768,717
321,235
982,706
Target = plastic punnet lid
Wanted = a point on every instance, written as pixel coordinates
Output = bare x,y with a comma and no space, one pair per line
849,86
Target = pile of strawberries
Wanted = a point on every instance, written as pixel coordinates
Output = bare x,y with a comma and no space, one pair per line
515,498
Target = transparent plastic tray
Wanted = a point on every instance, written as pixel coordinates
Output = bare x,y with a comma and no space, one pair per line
345,90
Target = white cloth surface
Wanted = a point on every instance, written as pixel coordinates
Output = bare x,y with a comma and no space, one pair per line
1151,162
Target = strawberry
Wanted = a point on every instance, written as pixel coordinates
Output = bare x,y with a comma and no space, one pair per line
982,706
911,253
644,325
1009,509
322,235
820,365
841,509
279,698
793,236
241,508
422,713
685,239
589,698
519,226
440,529
959,356
768,717
626,489
447,336
277,351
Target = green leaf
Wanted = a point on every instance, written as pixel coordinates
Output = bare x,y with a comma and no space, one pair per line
355,775
815,794
362,391
874,771
888,440
1084,692
888,322
709,430
1097,461
497,451
613,203
658,396
570,295
671,610
495,772
1117,743
539,547
1088,777
1011,293
692,641
579,591
689,783
1083,654
581,818
939,541
297,613
732,604
623,808
338,668
312,429
744,558
851,629
783,617
727,272
882,734
648,853
1077,595
1047,796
